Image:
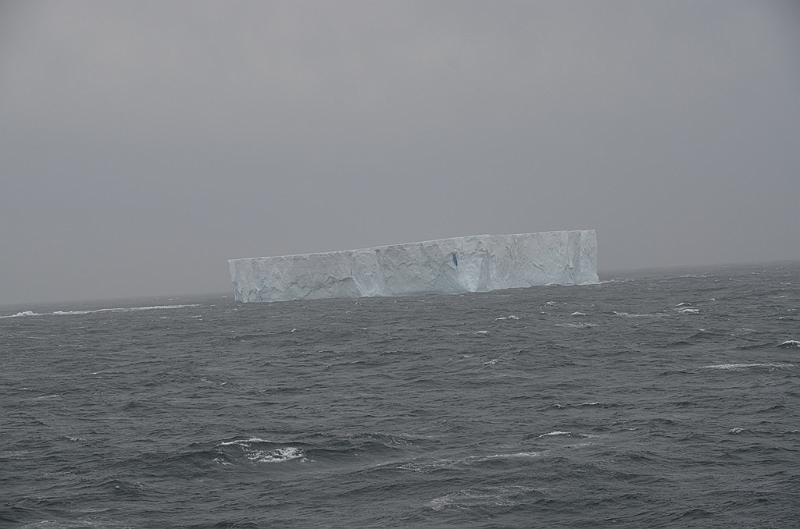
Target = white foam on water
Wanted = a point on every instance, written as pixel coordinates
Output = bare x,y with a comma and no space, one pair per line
244,442
518,455
14,453
94,311
688,311
511,317
417,466
122,309
582,325
576,313
72,524
278,455
790,344
558,433
21,315
747,366
635,315
480,497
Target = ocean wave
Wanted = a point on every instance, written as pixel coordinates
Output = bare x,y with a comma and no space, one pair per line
498,496
758,431
571,435
21,314
260,454
279,455
244,442
94,311
122,309
748,366
635,315
790,344
73,524
429,466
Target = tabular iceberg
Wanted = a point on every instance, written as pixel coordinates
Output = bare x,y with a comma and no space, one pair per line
478,263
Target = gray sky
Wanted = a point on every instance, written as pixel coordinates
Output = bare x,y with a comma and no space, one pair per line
142,144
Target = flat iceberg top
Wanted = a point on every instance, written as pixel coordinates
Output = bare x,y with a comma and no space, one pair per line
476,263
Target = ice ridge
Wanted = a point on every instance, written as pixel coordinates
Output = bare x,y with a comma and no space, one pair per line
478,263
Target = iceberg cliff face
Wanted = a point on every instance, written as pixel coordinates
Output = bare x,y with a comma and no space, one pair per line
478,263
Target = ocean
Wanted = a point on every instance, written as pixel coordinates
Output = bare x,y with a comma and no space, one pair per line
655,399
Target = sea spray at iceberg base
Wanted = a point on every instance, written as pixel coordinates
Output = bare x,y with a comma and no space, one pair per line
478,263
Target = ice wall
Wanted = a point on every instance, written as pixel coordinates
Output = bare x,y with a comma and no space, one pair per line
478,263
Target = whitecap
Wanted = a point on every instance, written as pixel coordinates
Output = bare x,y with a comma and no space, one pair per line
244,442
635,315
517,455
21,314
689,311
121,309
72,524
576,313
577,325
162,307
559,433
790,344
746,366
278,455
94,311
511,317
481,332
416,466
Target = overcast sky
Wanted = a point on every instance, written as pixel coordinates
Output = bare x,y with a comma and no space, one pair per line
142,144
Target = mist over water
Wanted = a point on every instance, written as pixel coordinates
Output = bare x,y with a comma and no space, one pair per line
658,399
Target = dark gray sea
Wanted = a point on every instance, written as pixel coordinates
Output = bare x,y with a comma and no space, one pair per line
656,399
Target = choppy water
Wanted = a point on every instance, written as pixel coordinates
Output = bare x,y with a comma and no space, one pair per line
665,399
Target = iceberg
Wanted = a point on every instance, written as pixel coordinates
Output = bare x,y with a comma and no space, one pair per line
478,263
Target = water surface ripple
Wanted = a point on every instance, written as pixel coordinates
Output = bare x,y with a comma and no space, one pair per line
652,400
